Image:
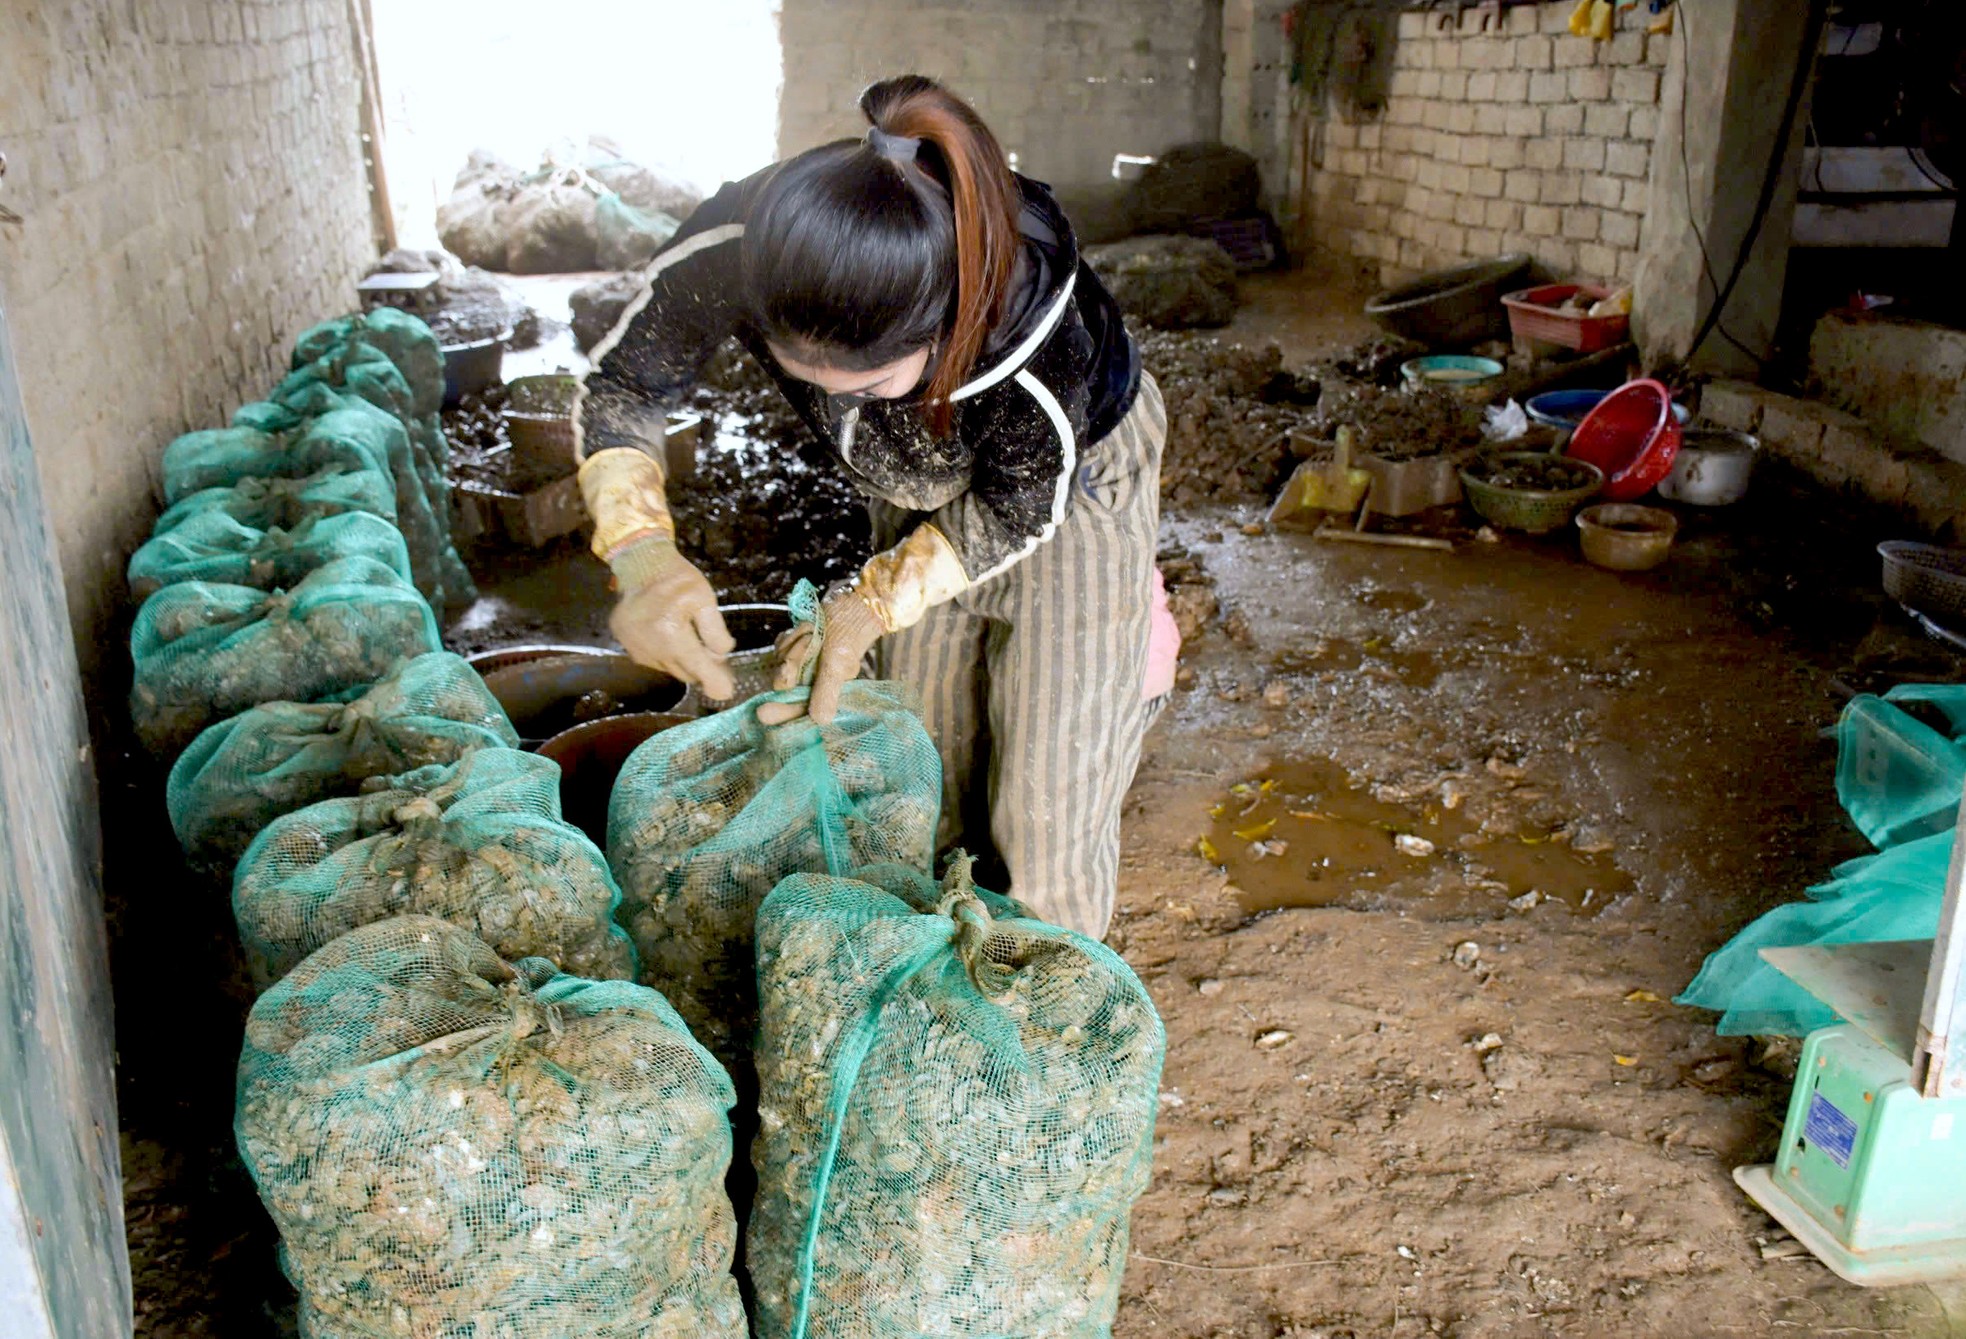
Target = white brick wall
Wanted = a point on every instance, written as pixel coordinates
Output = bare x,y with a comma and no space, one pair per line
1521,138
1065,84
192,182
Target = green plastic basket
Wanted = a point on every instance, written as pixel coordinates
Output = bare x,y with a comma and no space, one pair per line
1533,511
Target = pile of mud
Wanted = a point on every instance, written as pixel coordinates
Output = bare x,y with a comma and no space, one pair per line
1230,410
767,504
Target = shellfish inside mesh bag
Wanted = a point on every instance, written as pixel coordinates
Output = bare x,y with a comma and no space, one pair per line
452,1145
207,650
708,817
244,772
264,504
956,1115
284,446
211,546
479,842
300,404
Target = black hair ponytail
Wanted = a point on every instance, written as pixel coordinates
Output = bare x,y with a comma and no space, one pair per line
860,252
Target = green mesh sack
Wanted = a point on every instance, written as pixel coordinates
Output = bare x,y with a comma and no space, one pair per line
457,1147
267,504
409,344
479,842
390,359
211,546
400,337
708,817
1897,777
1895,894
204,650
957,1115
304,402
244,772
277,447
627,238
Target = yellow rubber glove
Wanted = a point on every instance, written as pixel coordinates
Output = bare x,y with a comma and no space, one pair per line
851,629
667,617
1580,18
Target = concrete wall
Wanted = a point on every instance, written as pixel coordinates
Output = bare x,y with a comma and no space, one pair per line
1066,84
1520,138
191,180
63,1270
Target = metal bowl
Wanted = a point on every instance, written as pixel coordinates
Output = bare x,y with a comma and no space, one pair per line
1712,469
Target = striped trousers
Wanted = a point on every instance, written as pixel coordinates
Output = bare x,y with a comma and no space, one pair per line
1031,683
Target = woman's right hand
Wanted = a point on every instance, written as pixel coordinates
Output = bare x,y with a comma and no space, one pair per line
667,618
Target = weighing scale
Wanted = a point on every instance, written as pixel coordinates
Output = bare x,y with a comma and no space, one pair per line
1871,1173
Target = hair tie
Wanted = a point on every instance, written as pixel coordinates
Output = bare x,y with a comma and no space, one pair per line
900,148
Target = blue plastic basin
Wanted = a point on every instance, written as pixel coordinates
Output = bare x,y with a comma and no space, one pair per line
1566,409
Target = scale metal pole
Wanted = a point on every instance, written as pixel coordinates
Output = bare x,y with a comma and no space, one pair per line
1938,1062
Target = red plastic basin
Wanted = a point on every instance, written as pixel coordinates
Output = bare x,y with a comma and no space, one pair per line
1632,437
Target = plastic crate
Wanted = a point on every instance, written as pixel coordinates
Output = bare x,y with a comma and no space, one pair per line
1253,243
1532,318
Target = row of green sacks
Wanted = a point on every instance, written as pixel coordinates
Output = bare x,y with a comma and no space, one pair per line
1900,780
957,1100
303,549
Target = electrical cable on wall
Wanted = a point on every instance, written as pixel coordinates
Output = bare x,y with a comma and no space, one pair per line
1798,84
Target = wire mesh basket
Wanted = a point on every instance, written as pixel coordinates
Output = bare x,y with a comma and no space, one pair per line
1926,579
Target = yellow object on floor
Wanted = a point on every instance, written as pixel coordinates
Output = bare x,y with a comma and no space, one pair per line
1335,485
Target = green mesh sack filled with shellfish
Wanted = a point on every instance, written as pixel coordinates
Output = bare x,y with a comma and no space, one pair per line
479,842
285,504
453,1145
418,359
279,445
707,818
244,772
296,408
956,1105
211,546
206,650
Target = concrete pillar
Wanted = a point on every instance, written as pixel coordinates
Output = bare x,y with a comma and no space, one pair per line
1238,73
1730,68
1210,70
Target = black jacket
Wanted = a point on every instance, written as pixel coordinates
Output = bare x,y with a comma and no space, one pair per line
1057,374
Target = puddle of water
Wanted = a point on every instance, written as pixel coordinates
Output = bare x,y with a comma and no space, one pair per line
1392,601
1418,668
1299,834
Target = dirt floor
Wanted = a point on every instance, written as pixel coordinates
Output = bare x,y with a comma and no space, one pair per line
1408,1091
1445,1093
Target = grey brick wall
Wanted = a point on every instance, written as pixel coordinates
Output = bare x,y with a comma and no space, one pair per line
192,182
1517,138
1065,84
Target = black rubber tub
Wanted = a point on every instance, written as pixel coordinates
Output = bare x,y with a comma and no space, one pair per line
1452,307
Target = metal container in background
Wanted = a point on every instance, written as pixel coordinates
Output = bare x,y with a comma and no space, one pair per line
1712,469
470,368
417,293
1462,305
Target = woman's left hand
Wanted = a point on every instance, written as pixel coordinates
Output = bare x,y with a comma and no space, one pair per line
851,629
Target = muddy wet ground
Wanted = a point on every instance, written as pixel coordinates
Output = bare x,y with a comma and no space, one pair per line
1403,1097
1434,1103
